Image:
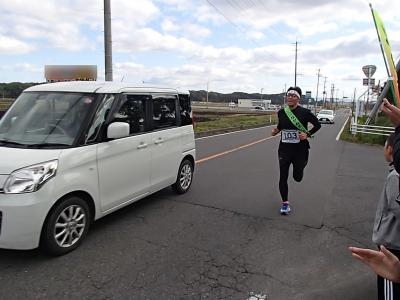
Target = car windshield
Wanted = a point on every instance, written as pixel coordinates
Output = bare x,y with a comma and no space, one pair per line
326,112
44,119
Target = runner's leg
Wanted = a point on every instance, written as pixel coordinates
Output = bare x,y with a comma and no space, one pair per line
299,163
284,164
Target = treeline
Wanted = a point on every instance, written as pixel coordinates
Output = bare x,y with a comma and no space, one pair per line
226,98
14,89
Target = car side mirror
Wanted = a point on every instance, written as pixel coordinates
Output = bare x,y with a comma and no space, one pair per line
117,130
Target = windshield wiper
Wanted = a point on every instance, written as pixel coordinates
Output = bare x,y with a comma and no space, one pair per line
11,143
48,145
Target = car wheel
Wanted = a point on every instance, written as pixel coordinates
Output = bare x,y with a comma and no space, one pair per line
184,178
66,226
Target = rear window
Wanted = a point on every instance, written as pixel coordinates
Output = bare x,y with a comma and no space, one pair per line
186,110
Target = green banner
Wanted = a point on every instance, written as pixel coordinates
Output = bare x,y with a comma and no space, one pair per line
387,56
295,121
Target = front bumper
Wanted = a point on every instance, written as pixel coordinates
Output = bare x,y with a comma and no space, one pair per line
22,218
325,120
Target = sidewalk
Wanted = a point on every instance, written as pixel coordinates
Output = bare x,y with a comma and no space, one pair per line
358,184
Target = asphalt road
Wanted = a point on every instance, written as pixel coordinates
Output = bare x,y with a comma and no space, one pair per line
225,238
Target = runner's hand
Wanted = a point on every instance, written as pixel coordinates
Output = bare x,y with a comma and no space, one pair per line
303,136
384,263
275,131
391,111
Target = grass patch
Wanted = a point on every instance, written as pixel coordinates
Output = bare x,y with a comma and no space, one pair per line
232,121
5,104
364,138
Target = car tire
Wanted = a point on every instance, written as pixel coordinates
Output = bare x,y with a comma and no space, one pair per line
184,178
66,226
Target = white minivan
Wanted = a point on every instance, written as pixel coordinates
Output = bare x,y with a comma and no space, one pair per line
73,152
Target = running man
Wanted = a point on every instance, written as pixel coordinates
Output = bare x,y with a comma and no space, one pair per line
293,148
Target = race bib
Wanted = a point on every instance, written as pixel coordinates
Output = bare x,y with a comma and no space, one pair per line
290,136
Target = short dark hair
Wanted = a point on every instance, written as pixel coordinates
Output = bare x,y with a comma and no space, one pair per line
295,88
390,140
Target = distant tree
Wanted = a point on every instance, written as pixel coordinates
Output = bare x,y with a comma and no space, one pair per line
14,89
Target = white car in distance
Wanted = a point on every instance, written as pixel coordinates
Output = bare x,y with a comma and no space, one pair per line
326,115
259,108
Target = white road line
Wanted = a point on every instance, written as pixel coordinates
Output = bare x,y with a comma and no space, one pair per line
341,130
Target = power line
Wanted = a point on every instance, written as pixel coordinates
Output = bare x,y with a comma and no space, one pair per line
256,5
232,23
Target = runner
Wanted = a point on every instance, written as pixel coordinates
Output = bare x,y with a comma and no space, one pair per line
293,148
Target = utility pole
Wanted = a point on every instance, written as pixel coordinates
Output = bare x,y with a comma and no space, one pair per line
332,92
324,94
107,41
343,99
354,101
295,65
284,96
207,96
316,96
337,98
261,94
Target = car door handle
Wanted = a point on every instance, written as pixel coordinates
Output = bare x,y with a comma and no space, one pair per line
142,146
158,141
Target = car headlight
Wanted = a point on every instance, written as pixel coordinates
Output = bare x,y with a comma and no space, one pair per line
30,179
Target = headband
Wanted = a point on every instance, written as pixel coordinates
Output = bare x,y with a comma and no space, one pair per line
293,92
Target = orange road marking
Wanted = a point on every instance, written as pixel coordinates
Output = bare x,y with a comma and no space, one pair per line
232,150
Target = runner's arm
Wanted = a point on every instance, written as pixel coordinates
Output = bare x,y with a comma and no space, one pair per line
280,115
278,127
314,121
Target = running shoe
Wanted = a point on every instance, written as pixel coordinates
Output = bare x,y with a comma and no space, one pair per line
285,209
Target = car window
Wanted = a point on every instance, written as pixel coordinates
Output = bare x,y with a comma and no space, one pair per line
326,112
164,111
185,110
132,111
100,117
44,118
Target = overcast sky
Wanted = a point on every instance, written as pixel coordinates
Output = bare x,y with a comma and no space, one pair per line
235,45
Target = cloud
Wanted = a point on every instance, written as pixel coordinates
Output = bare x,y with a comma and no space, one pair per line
242,44
66,25
169,25
12,46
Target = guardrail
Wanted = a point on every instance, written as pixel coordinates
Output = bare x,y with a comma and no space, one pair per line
370,129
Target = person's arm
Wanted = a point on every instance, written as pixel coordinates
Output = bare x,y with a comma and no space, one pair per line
315,123
384,263
278,128
393,113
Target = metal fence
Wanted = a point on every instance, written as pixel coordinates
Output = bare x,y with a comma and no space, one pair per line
370,129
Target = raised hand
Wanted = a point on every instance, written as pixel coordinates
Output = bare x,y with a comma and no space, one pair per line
384,263
391,111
